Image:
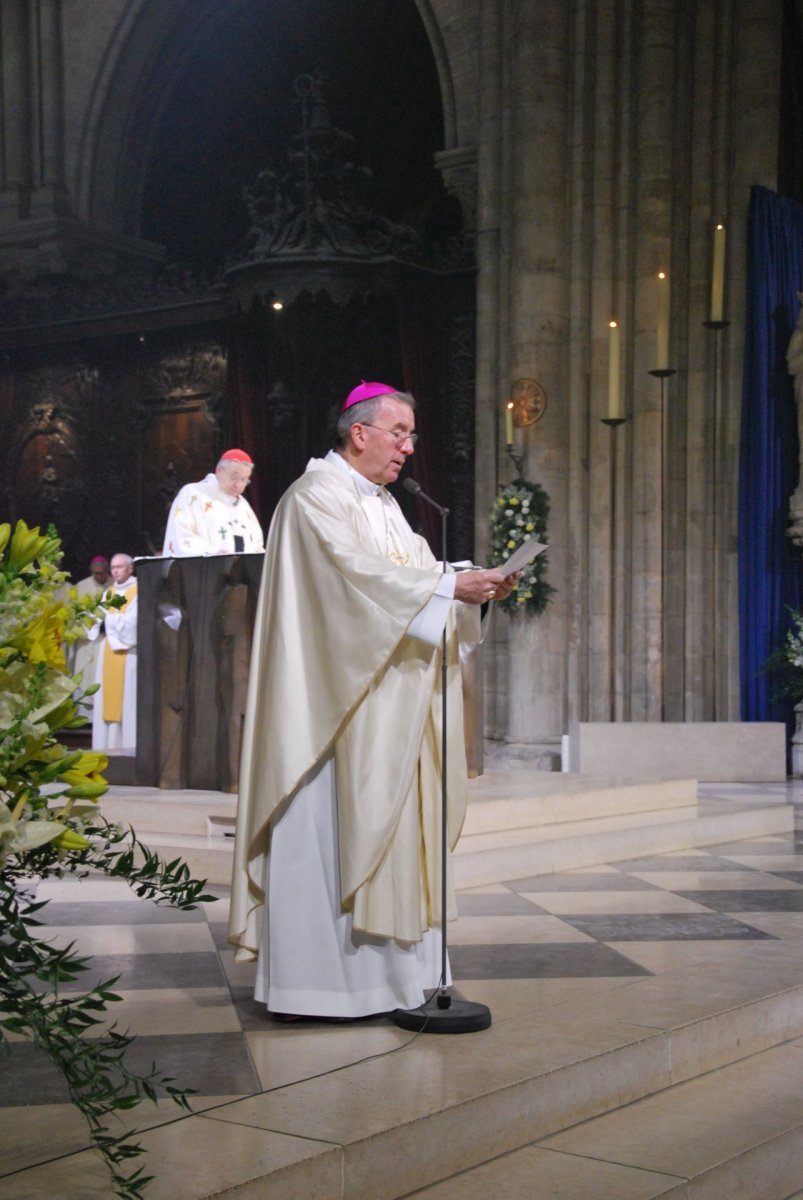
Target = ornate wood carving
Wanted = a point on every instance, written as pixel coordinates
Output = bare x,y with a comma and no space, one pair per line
179,416
46,474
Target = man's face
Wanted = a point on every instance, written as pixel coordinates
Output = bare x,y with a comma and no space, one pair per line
121,570
233,477
99,571
382,455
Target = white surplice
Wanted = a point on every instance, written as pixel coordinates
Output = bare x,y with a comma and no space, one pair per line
120,634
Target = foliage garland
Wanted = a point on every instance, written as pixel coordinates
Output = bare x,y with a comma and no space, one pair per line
786,663
49,825
520,512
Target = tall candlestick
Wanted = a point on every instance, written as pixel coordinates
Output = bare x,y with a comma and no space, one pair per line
509,423
614,392
662,323
718,273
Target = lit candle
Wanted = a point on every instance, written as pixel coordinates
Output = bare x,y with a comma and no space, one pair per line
662,324
614,395
718,273
509,423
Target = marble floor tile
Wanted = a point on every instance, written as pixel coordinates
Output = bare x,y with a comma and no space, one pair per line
751,962
564,903
499,903
512,930
486,889
748,900
296,1052
769,863
193,969
686,881
133,938
656,927
697,860
572,881
94,890
29,1078
133,912
779,844
793,876
168,1011
509,998
209,1063
783,925
547,961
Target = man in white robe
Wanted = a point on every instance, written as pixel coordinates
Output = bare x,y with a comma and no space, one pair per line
114,714
213,516
337,873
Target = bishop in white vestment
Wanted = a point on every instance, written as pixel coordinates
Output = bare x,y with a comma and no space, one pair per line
213,516
337,874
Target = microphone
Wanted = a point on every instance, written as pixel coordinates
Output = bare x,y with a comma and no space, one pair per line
415,489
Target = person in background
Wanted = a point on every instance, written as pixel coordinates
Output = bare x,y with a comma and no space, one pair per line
82,654
114,716
213,516
336,884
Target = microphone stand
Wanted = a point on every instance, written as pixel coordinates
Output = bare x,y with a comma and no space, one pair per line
453,1014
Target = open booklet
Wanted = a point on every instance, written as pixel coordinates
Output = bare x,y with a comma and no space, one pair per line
526,552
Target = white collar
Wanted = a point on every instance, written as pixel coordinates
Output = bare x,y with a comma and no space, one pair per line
364,486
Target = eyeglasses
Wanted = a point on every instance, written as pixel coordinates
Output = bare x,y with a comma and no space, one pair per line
398,438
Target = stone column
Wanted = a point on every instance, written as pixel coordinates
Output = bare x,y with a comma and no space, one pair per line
492,267
48,195
652,191
538,53
15,178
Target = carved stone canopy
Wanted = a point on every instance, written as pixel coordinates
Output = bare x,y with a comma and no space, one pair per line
312,229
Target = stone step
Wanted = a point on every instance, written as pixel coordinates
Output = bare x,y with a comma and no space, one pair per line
390,1125
496,801
490,856
734,1132
545,798
563,846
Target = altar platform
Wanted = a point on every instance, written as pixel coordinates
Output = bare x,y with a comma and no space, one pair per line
640,946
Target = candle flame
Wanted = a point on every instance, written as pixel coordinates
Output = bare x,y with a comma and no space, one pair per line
614,324
662,274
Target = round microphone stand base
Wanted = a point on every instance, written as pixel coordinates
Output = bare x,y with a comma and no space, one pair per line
462,1016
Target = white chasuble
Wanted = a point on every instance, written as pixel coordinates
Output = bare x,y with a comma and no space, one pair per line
338,692
203,519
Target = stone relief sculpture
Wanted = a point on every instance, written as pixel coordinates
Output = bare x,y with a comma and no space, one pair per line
794,362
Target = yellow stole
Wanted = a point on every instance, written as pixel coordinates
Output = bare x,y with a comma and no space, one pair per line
114,671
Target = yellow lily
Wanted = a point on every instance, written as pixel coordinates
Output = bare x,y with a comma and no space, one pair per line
85,776
26,545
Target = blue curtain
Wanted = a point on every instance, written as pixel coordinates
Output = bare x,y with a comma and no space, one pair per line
769,567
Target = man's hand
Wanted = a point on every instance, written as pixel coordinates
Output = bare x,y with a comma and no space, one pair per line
477,587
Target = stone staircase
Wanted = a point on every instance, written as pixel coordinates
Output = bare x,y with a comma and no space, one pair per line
637,1091
520,822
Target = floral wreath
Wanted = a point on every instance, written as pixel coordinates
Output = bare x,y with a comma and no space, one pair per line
520,512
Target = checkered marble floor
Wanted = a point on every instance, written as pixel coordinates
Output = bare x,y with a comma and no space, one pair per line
544,939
